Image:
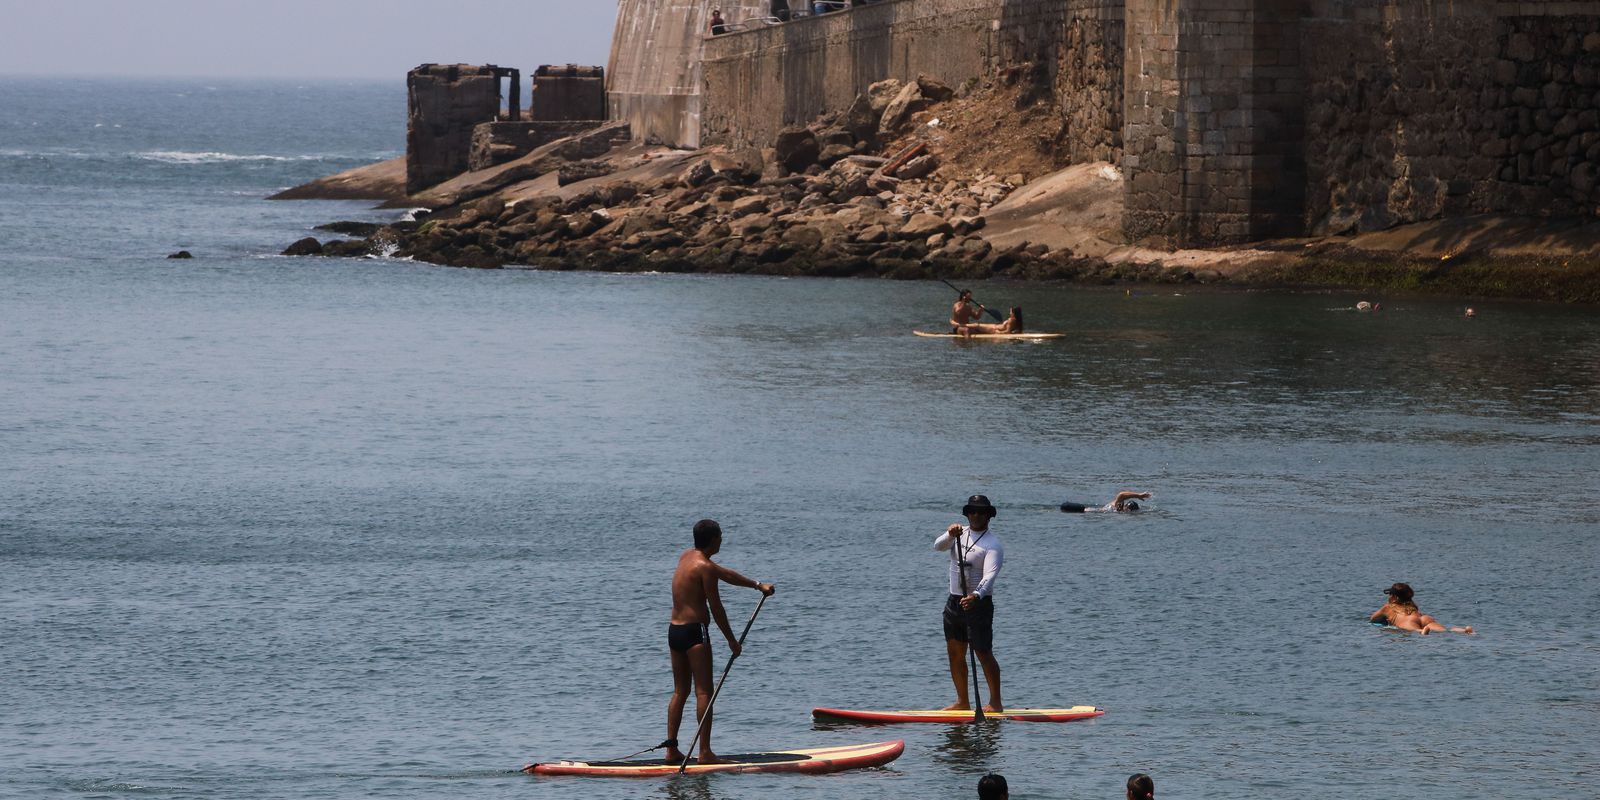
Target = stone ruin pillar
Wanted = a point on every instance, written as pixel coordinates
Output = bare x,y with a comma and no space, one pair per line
445,102
1214,121
568,93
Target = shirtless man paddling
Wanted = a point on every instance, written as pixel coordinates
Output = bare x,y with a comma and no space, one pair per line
964,312
695,603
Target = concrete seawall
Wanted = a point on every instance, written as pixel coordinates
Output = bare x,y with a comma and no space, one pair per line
654,78
1233,120
759,81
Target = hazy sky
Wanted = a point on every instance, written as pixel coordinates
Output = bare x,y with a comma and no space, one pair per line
295,38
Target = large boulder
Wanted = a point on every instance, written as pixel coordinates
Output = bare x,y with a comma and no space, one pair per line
305,247
933,90
833,153
909,101
796,148
880,94
861,121
745,206
921,226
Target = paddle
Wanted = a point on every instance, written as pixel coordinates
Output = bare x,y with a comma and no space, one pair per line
991,312
709,705
972,655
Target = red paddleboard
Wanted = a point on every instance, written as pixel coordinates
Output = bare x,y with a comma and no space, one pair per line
812,761
1018,714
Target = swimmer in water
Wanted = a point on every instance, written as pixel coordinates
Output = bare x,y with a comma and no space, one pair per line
1123,503
1401,612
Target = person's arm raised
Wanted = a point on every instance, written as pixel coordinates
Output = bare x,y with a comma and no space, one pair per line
732,577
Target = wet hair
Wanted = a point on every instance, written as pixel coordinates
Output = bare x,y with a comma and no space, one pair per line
1130,506
1016,311
1141,787
966,294
992,787
706,531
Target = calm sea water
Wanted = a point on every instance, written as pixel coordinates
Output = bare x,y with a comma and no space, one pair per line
307,528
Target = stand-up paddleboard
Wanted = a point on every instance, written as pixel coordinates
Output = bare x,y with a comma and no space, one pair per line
1021,337
812,761
1018,714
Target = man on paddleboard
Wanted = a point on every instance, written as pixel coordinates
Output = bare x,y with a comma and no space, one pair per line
964,312
695,603
975,560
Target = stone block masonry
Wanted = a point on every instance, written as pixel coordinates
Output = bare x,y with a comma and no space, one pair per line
1214,119
761,80
445,102
569,93
1232,120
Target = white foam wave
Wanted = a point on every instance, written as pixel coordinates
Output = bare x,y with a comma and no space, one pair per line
211,157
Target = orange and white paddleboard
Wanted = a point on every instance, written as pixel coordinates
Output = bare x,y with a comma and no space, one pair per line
811,761
1018,714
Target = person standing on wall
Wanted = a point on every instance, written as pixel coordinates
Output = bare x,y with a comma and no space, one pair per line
719,25
976,556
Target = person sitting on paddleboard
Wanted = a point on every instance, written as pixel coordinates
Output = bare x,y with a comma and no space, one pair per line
1401,612
1123,503
965,311
975,560
1013,324
695,602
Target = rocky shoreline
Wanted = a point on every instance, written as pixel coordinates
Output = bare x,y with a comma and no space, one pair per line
864,193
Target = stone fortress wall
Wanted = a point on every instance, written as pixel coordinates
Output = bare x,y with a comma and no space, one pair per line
1232,120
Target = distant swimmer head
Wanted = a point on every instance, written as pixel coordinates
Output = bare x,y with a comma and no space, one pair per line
707,535
1130,506
1401,592
979,505
1363,306
993,787
1141,787
1471,313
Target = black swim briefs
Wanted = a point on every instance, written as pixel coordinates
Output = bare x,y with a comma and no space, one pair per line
682,637
980,619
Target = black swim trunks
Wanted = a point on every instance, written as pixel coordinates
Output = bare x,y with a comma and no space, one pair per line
980,619
682,637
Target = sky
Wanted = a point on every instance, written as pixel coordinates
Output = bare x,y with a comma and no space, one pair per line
347,39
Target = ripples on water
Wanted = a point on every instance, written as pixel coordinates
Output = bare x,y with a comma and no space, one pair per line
318,528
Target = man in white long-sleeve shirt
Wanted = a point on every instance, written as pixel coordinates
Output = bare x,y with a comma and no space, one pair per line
975,560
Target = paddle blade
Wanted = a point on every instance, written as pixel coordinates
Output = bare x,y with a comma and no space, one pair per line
993,313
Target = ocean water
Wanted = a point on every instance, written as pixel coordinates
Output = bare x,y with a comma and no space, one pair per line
338,528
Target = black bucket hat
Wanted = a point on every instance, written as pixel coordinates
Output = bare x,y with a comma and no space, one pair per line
978,502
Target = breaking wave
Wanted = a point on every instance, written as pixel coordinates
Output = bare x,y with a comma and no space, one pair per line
186,157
